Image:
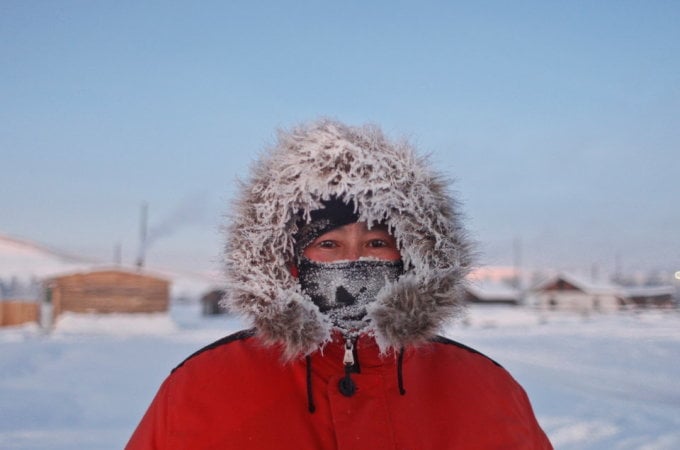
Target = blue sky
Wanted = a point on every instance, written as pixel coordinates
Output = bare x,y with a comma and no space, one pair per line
559,121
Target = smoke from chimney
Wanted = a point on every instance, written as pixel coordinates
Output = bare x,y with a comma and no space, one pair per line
192,210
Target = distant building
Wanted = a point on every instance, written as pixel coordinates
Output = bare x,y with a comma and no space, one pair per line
19,301
18,312
491,292
573,293
210,303
651,296
107,291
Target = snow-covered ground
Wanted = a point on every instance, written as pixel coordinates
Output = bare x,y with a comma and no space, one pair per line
597,382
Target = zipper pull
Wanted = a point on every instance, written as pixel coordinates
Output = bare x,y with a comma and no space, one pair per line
348,360
346,385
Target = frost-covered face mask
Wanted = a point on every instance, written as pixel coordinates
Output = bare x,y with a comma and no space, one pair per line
342,290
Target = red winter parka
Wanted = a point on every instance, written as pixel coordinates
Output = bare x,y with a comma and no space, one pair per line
236,394
287,384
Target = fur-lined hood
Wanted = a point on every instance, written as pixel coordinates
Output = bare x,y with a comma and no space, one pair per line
387,182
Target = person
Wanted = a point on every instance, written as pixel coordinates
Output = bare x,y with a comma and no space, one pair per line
347,253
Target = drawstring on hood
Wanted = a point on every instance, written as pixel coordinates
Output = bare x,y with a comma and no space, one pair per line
387,184
310,397
400,372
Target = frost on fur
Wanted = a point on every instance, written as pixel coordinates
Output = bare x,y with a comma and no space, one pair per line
387,182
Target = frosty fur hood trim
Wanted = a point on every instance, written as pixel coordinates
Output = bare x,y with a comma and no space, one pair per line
387,182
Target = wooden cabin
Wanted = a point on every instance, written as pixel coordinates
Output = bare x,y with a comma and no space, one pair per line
18,312
108,291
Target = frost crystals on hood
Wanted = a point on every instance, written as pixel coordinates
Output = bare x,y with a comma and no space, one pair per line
388,184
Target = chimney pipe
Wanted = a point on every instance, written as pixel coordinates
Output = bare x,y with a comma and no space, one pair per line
142,235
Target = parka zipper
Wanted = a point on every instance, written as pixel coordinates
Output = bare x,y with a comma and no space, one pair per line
346,384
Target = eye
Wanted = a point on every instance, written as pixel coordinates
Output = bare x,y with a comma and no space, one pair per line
326,244
378,243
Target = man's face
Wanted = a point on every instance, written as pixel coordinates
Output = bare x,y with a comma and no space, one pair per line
344,270
352,242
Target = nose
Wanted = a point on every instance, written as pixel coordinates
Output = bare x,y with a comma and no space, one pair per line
353,252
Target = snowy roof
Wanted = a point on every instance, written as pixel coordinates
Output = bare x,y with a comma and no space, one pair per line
585,284
132,270
649,291
492,290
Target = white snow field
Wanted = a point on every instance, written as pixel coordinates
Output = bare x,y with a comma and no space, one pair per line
596,382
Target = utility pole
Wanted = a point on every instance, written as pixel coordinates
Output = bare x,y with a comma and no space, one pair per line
517,261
